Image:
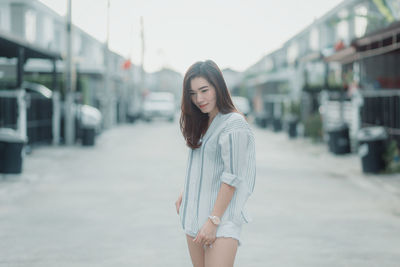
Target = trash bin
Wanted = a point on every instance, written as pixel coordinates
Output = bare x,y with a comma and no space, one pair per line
277,124
371,148
90,121
11,145
88,136
292,127
338,139
262,120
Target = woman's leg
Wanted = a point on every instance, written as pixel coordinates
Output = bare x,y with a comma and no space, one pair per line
222,253
196,252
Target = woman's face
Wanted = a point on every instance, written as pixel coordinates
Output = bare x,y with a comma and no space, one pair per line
203,96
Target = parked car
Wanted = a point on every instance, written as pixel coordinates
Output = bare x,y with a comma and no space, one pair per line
159,105
37,89
90,117
85,118
242,104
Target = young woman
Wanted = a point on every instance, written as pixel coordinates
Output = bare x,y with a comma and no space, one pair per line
220,173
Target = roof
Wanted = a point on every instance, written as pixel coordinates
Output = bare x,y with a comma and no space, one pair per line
9,48
379,35
343,56
376,43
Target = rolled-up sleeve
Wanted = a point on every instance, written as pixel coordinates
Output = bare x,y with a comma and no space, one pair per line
238,157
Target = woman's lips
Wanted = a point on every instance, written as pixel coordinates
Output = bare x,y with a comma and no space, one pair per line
202,106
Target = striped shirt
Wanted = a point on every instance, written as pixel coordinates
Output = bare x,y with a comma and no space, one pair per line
227,155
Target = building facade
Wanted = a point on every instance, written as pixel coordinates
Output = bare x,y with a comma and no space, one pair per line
327,56
37,24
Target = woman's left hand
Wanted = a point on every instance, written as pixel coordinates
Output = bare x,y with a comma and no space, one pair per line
207,234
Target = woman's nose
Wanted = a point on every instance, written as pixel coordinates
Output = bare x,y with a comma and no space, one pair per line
199,98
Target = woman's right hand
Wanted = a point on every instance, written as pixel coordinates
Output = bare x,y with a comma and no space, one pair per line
178,203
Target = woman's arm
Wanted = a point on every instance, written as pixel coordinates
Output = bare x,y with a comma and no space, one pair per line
224,196
207,233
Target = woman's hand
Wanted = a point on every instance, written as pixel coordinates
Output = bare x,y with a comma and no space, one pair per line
207,234
178,203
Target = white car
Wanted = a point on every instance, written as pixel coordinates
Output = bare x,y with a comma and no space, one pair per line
159,105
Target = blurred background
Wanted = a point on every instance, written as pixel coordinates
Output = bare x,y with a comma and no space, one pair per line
91,90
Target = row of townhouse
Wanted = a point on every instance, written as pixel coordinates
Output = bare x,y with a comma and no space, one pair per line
40,28
352,54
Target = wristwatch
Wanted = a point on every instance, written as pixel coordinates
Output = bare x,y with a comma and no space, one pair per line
215,219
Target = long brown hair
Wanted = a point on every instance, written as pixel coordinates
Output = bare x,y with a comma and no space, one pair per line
193,122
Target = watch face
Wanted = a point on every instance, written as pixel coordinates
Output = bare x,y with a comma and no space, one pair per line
216,220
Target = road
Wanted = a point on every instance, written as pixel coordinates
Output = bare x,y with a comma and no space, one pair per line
113,205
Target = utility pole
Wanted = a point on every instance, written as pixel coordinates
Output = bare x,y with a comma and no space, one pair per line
108,97
142,79
69,129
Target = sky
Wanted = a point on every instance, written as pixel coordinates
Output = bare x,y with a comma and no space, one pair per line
233,33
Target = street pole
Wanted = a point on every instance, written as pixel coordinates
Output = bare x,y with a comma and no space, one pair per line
69,121
142,76
108,96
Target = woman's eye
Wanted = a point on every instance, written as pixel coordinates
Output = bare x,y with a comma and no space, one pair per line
205,90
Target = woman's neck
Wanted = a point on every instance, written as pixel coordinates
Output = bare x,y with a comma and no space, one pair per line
211,118
212,115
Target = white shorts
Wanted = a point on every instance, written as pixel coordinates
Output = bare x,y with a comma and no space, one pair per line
225,229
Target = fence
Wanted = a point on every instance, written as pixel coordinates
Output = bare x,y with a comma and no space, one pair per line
9,111
29,113
382,108
13,110
39,119
369,108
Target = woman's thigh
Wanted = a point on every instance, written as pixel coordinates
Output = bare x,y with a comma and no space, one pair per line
196,252
222,253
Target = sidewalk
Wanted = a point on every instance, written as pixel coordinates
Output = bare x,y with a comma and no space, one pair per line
347,165
313,208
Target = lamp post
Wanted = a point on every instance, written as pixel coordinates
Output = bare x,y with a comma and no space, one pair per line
108,96
69,131
142,74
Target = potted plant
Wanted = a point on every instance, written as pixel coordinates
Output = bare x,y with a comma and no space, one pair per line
292,118
392,158
313,127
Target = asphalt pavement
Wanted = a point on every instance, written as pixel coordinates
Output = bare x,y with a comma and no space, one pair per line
113,205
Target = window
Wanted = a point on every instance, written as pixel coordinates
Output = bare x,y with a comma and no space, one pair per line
292,53
30,26
77,45
314,39
268,64
48,32
394,6
361,20
316,73
342,30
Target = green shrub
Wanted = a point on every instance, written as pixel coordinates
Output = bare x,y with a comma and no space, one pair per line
313,127
392,158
